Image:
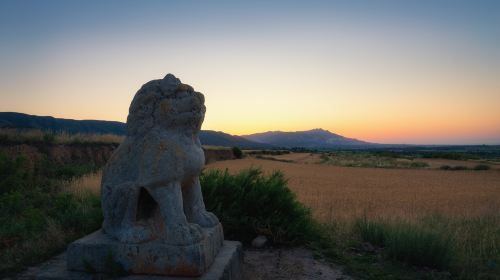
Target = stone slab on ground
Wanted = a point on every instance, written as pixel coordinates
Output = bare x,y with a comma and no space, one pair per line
226,266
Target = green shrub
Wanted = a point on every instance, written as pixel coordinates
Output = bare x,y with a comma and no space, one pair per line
324,158
250,203
459,167
418,164
482,167
446,155
237,152
453,168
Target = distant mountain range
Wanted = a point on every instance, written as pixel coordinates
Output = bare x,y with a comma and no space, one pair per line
25,121
312,139
219,138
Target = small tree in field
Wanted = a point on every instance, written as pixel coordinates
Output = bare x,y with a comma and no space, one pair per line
237,152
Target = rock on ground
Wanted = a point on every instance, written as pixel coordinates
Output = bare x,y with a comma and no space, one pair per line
259,241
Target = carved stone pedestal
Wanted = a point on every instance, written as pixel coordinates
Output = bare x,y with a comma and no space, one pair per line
97,252
96,256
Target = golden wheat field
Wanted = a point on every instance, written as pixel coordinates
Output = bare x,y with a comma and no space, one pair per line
334,192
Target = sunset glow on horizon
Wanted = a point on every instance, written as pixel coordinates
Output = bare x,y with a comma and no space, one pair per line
412,72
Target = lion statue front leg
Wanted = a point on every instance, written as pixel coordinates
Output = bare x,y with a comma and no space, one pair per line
120,205
194,207
178,231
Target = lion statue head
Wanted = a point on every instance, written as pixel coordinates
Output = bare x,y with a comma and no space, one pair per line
168,104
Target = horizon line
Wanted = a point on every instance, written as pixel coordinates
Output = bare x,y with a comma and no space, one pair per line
242,135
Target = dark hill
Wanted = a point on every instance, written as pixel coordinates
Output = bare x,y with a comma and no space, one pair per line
218,138
25,121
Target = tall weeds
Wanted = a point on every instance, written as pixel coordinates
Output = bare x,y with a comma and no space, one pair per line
468,247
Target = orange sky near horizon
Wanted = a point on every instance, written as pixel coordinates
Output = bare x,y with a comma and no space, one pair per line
424,120
394,74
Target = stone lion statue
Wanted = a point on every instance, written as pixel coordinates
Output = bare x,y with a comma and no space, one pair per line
150,185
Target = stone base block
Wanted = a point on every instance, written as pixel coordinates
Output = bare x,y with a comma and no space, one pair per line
99,253
227,265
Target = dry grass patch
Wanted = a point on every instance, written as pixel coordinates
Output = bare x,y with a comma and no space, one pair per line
90,182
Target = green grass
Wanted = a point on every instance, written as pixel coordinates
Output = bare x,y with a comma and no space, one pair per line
453,168
370,159
451,152
38,217
408,243
483,153
467,248
482,167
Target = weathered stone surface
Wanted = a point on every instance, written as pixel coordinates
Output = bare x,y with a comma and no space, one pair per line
226,266
155,221
98,252
150,186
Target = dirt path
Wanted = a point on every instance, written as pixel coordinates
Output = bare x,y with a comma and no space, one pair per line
290,264
306,158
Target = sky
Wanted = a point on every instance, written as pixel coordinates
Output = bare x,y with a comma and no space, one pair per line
413,72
